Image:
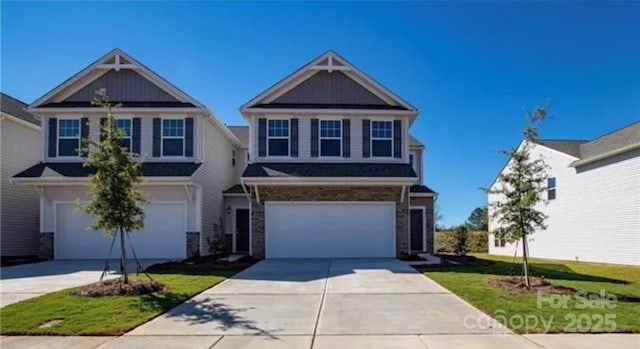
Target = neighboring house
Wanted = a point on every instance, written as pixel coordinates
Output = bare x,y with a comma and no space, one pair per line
332,172
20,147
593,200
187,154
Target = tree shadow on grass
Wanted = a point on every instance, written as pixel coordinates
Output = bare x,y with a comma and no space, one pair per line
548,271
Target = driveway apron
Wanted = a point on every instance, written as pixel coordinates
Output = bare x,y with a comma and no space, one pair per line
329,303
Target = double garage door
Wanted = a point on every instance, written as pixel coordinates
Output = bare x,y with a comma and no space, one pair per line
163,235
329,230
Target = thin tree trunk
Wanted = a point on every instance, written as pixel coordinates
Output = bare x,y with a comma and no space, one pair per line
123,258
525,261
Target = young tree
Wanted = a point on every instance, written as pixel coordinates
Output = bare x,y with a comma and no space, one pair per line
521,188
479,218
460,238
115,198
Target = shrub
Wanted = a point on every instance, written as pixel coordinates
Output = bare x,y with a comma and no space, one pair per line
460,238
476,242
219,246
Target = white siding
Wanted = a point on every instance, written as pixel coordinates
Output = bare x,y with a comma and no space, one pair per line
304,140
20,148
596,215
215,175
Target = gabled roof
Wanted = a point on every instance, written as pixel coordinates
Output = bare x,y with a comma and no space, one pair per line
338,169
569,147
328,82
105,69
15,108
76,169
625,137
422,189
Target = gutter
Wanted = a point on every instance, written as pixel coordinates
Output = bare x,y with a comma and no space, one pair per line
605,155
328,180
84,180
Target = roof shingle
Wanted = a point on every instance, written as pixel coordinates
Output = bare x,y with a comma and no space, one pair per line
296,169
15,107
75,169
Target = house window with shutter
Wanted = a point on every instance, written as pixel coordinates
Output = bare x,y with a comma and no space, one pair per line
330,138
278,137
381,139
173,137
68,137
125,124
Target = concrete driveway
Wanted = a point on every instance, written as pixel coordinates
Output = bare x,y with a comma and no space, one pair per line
26,281
339,303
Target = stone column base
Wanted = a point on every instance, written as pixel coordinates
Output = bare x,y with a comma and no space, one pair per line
193,244
46,251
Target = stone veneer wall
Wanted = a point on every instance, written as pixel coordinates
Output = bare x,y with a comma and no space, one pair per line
427,202
193,244
328,193
46,251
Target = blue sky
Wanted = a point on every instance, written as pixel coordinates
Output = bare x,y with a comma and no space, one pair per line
469,67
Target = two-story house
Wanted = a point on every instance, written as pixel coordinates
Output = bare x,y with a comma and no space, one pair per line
189,158
20,144
333,170
592,200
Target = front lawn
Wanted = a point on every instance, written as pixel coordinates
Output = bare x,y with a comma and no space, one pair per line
110,315
526,313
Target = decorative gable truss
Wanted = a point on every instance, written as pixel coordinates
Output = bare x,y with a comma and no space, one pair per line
126,81
329,84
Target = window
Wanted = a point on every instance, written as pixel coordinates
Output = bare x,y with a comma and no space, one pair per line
125,126
499,242
551,188
172,137
233,157
330,137
278,137
381,138
411,160
68,137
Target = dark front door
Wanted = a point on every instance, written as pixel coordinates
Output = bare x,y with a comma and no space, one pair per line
417,233
242,230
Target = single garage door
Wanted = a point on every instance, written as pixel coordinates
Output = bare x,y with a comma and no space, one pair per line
162,237
327,230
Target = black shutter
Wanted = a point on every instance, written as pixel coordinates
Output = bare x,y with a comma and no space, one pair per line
135,141
346,138
157,136
84,135
397,138
294,138
314,138
103,123
262,137
53,136
188,137
366,138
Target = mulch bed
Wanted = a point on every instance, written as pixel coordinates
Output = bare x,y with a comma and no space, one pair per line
452,260
516,285
201,264
116,287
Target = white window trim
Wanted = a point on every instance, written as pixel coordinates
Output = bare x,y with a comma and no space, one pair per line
130,137
288,138
320,138
58,137
554,188
371,139
183,137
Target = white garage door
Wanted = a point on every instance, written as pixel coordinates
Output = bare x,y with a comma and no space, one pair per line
324,230
162,237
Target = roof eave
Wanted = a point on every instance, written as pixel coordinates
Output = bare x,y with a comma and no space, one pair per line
329,180
605,155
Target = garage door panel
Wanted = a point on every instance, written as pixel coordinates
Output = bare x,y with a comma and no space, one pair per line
320,230
162,237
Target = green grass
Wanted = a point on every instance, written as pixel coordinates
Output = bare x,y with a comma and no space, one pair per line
472,284
107,315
